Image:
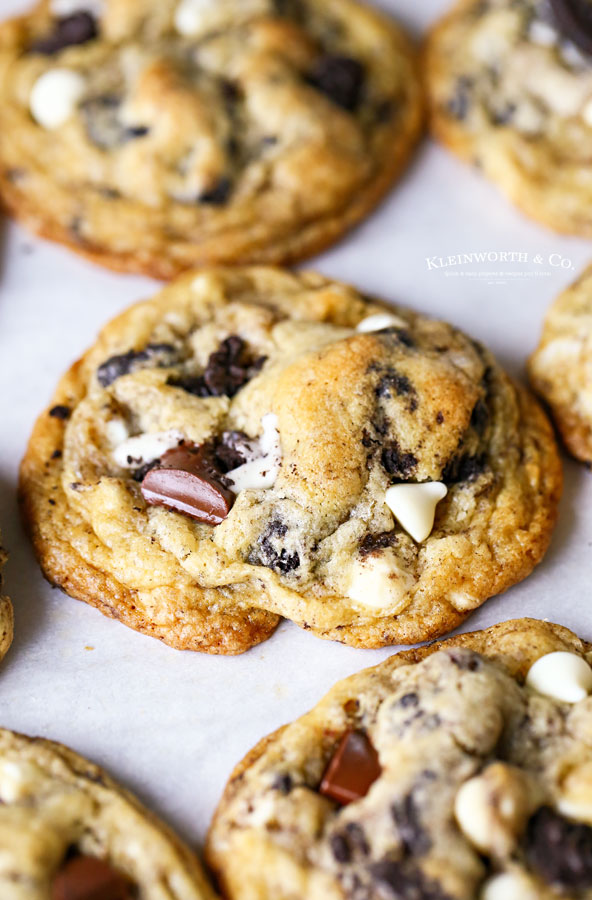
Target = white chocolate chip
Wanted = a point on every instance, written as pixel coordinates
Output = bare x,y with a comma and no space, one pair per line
196,17
260,472
587,112
142,449
414,506
509,886
379,321
117,432
15,778
189,16
54,97
493,808
542,33
378,582
561,675
575,799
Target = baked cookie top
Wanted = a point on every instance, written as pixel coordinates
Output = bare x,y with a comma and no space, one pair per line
253,443
153,136
68,831
439,774
6,614
510,84
561,367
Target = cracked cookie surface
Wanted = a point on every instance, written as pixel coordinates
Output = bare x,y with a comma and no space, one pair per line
65,824
448,721
561,367
6,614
510,91
260,389
156,136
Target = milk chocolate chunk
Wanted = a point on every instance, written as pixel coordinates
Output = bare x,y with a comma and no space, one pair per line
187,481
78,28
353,769
89,878
574,21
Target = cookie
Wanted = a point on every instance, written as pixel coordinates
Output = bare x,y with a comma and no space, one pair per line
510,85
69,832
252,444
561,367
455,771
6,614
152,137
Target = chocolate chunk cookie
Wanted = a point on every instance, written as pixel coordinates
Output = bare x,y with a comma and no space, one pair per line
510,84
253,444
561,367
68,832
6,616
154,136
463,776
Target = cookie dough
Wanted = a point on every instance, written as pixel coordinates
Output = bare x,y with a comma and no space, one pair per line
242,448
154,136
510,84
561,367
68,831
481,788
6,614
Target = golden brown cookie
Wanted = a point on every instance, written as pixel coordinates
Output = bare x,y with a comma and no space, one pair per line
151,137
510,88
6,614
457,771
253,444
68,831
561,367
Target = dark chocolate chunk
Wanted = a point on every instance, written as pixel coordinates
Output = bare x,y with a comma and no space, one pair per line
89,878
560,851
60,412
574,20
79,28
399,464
340,78
218,194
187,481
124,363
228,369
340,848
352,770
480,417
394,383
414,837
370,543
405,882
232,450
458,105
283,783
463,468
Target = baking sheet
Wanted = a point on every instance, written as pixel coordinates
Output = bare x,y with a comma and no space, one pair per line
169,724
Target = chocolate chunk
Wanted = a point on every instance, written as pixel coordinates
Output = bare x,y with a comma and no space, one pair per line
89,878
413,836
394,383
228,369
353,769
574,20
232,450
370,543
187,481
283,784
124,363
560,851
459,103
218,194
405,882
463,468
340,78
60,412
340,848
480,417
407,700
79,28
397,463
